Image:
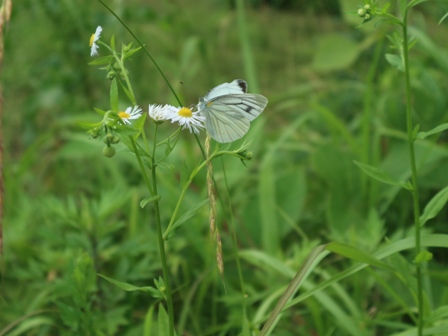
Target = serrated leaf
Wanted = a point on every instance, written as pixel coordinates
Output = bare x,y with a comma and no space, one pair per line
378,174
147,200
434,206
114,95
438,129
186,216
395,61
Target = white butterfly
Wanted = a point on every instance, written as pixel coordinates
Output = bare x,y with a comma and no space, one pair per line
228,110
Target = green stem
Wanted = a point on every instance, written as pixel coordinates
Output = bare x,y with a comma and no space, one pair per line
145,50
415,191
161,242
235,241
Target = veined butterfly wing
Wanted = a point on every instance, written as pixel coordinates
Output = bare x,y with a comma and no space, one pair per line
228,110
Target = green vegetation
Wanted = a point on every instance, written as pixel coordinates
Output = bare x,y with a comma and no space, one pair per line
337,225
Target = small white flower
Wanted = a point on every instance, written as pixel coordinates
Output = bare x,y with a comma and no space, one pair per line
131,113
95,37
187,119
159,112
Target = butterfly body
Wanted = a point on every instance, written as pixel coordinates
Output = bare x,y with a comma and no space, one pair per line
228,110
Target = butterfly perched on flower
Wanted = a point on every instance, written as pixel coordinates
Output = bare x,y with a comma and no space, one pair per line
228,110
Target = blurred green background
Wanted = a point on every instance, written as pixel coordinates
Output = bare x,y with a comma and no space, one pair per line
333,98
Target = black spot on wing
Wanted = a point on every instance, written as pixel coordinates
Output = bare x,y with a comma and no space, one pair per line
242,84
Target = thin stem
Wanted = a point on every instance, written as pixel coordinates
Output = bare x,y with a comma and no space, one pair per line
169,299
415,191
145,50
235,241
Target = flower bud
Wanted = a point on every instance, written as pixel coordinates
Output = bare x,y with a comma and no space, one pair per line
111,75
367,17
109,151
115,139
361,12
367,8
108,138
246,155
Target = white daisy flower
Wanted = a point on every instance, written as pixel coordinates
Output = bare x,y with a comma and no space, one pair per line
187,119
159,112
130,113
95,37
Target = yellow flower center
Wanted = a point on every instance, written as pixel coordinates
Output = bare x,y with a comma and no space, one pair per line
185,112
92,38
123,115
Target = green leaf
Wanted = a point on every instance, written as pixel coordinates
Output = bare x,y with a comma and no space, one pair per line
101,60
128,93
434,206
112,42
415,3
186,216
380,175
163,324
354,253
100,111
88,125
443,18
335,52
147,200
395,61
422,257
114,95
308,265
438,129
131,288
126,130
148,321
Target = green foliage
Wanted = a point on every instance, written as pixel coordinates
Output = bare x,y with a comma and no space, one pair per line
330,166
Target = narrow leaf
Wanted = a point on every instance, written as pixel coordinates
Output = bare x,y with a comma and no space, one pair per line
114,95
354,253
102,60
395,61
438,129
88,125
148,322
162,322
147,200
131,288
313,258
378,174
186,216
434,206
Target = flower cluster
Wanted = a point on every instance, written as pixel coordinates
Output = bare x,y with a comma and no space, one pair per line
184,116
365,12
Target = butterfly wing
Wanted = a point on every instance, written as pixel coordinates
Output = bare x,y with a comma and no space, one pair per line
224,124
238,86
227,117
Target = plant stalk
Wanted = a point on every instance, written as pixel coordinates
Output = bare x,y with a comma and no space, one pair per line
161,242
415,191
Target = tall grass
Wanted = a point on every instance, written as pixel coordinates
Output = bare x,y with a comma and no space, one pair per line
72,214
